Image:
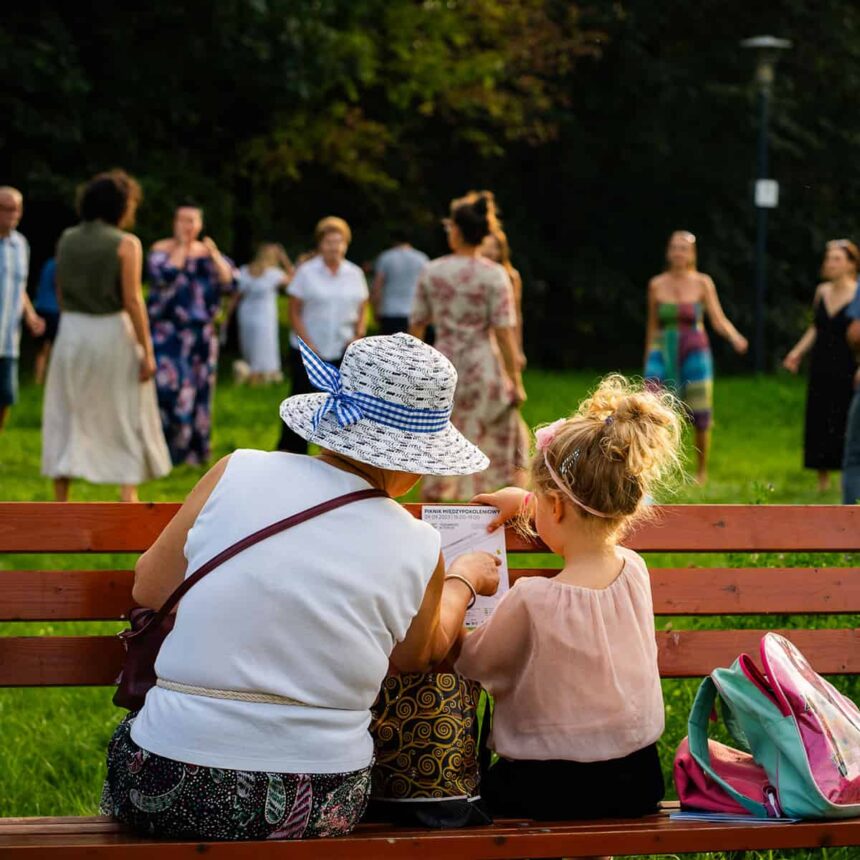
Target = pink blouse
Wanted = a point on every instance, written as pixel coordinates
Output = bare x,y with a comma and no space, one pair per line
573,670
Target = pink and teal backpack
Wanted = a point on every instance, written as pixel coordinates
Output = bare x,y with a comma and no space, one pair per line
799,740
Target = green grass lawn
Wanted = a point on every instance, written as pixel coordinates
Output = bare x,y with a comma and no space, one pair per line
52,741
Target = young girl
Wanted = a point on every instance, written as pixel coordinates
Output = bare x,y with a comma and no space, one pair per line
572,660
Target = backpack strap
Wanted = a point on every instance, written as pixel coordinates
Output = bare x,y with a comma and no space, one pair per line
697,739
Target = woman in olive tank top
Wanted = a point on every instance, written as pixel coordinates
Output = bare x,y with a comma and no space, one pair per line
100,419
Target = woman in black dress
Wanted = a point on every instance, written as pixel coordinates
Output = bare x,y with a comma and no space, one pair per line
831,366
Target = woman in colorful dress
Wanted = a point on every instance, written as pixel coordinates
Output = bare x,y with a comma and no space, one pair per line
470,302
677,351
831,366
187,279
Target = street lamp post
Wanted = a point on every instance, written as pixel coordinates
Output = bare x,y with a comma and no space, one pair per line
767,50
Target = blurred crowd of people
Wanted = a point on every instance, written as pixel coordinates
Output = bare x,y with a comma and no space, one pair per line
130,375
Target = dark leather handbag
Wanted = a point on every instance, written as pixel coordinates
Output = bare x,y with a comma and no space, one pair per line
149,628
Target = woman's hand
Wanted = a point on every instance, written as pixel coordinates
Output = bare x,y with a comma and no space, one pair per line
740,344
35,324
519,396
509,501
480,568
147,367
792,362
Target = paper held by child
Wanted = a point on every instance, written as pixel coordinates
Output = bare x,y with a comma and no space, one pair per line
464,529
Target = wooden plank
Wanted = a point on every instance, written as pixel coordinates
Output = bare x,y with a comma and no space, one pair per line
65,595
61,661
746,591
755,591
655,834
81,526
115,527
82,595
695,653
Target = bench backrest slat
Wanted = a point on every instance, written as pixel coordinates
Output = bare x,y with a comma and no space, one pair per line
96,660
79,595
114,527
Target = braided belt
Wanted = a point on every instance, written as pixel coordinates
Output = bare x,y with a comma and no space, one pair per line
232,695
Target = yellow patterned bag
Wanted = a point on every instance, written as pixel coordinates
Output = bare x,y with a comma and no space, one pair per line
426,732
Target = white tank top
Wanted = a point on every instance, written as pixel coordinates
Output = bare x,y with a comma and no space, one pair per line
311,614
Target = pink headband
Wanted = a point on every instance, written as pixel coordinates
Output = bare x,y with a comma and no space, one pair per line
543,439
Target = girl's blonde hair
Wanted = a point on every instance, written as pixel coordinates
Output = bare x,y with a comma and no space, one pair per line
622,442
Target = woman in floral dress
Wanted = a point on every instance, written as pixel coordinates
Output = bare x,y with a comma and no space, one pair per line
187,279
470,302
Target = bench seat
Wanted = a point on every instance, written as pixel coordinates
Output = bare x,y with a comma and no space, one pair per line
97,837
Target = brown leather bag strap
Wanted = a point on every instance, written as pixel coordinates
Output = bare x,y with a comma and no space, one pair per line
250,540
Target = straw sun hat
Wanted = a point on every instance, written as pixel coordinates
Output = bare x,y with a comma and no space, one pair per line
389,405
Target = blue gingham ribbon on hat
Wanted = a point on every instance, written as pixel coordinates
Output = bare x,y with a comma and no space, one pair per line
350,407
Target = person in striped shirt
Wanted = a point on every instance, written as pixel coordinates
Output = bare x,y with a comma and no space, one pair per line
14,301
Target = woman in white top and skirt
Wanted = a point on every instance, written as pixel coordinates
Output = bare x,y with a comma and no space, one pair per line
259,285
258,726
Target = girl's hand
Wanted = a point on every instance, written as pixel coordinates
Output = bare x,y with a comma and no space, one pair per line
509,502
740,344
480,568
791,362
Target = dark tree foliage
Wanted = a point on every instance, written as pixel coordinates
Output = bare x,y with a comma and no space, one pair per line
601,127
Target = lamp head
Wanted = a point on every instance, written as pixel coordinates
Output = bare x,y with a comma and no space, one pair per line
767,50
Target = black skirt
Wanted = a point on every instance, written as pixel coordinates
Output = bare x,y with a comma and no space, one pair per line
625,787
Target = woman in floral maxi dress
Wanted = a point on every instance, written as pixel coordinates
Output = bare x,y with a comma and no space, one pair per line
187,279
470,302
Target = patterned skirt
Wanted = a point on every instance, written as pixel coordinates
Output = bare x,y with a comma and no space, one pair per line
157,796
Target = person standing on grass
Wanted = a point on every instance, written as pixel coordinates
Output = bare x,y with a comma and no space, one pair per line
677,351
188,276
470,302
15,304
100,419
832,365
328,310
259,285
49,310
395,283
496,247
851,460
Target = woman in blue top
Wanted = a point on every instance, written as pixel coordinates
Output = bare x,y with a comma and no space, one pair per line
187,279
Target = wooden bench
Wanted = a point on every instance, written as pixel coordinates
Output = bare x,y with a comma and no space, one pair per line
51,595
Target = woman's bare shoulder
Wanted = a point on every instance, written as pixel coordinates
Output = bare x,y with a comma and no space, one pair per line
657,283
162,245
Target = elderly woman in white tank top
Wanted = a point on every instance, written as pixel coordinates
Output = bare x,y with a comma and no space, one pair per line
258,726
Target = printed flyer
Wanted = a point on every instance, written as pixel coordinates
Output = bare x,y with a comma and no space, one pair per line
464,529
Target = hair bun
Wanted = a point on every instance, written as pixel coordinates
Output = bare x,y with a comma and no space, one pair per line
475,215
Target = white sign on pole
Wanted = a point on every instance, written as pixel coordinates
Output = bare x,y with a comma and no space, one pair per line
766,193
